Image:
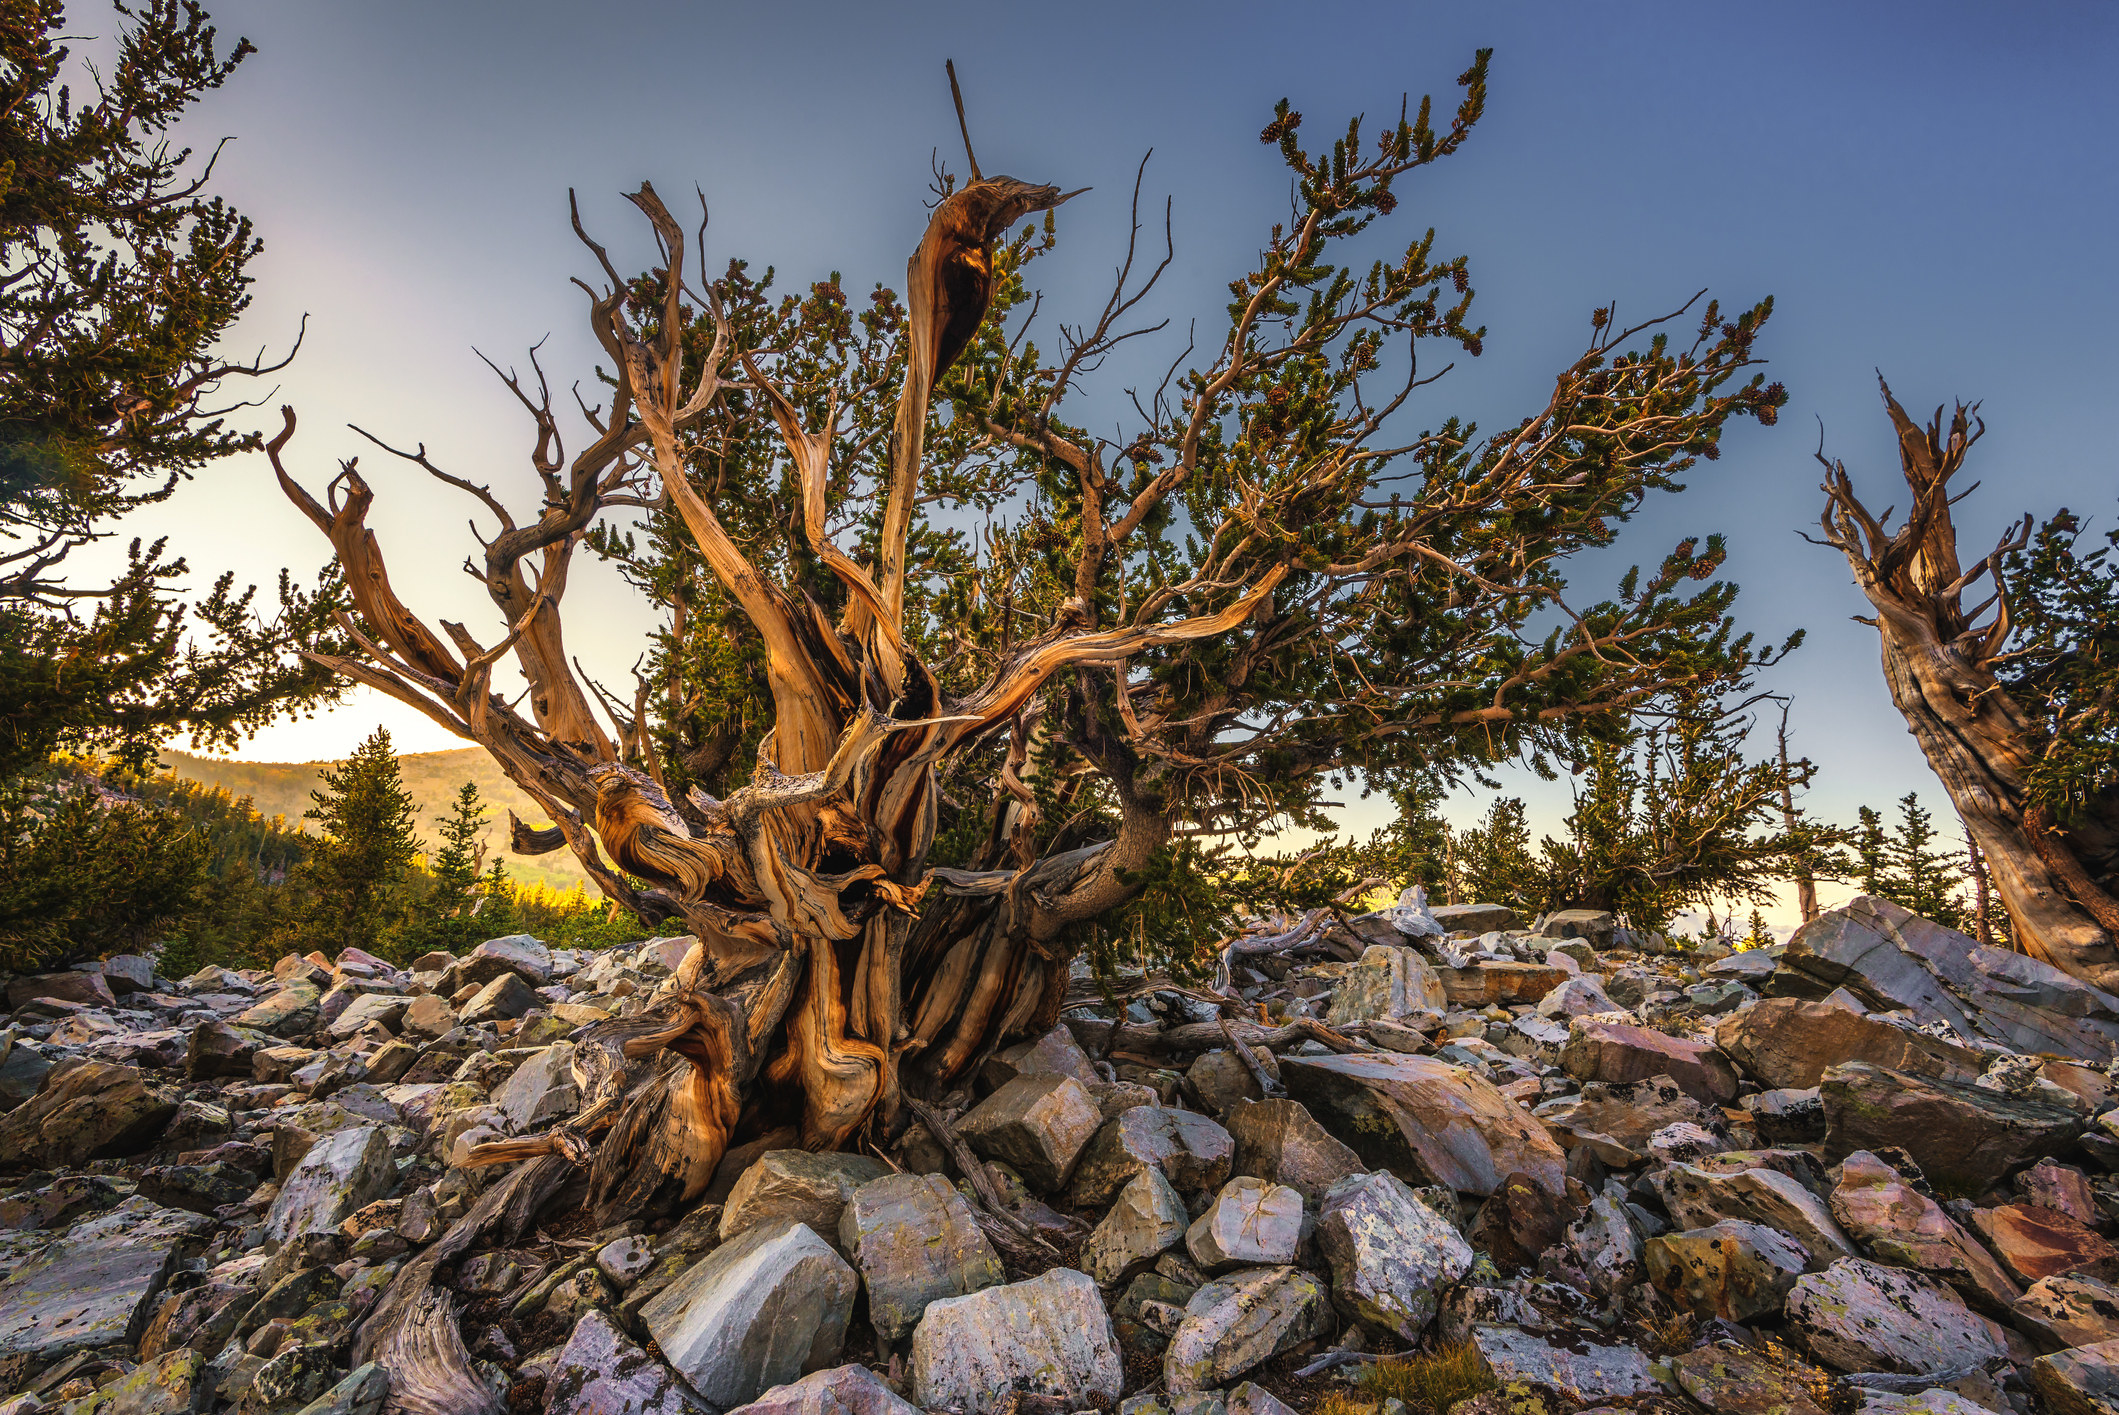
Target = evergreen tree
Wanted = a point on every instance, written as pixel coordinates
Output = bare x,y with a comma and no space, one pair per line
122,277
1674,814
448,916
82,876
1902,866
1495,862
495,906
359,873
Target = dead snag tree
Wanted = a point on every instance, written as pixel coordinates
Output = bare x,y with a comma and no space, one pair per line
1155,643
1999,696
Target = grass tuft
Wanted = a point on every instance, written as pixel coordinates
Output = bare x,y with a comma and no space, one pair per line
1430,1380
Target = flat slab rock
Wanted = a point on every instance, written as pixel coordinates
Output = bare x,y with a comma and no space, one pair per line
766,1307
1426,1120
1241,1321
1049,1335
91,1287
1735,1380
601,1372
1583,1370
2083,1381
1862,1316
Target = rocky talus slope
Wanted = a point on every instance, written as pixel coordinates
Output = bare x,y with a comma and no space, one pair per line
1870,1171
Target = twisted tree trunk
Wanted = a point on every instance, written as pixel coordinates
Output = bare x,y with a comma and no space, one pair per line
1938,659
832,969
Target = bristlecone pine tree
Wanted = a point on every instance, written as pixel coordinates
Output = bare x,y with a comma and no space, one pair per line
1185,635
2013,699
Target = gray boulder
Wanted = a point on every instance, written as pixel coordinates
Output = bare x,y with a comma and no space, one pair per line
1192,1152
1145,1220
1391,1255
541,1089
1047,1336
1241,1321
764,1308
1862,1316
342,1172
1281,1141
2084,1381
1250,1222
842,1390
1585,1372
519,954
1038,1124
915,1241
1732,1269
85,1110
1698,1198
795,1184
92,1287
601,1372
506,996
1424,1118
1388,984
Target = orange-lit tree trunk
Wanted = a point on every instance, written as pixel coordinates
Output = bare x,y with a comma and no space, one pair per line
1939,661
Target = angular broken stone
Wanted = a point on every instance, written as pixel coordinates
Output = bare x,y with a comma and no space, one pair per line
1499,984
769,1305
1425,1120
1787,1117
1250,1222
1577,997
506,996
93,1286
1616,1120
915,1242
1056,1053
1732,1269
1788,1043
1391,1256
289,1012
2083,1381
1900,1225
1388,984
86,1110
1192,1152
1600,1050
2070,1310
795,1184
1146,1219
1279,1140
1698,1198
1585,1372
1037,1124
842,1390
2034,1242
1735,1380
1893,958
1862,1316
341,1173
1221,1079
519,954
1047,1336
540,1090
1957,1134
601,1372
1241,1321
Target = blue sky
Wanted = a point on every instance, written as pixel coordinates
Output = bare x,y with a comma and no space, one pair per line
1925,189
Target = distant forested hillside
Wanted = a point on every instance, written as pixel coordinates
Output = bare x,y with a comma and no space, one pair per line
282,788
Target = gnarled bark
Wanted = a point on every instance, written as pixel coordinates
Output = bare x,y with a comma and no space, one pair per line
1938,658
828,960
